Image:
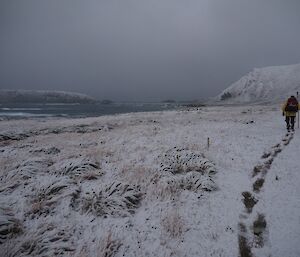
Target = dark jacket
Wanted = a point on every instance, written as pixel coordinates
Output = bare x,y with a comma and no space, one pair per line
286,113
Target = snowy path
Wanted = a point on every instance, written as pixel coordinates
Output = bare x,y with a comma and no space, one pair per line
256,235
145,184
282,202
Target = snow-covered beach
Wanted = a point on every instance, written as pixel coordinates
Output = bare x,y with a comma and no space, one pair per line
211,181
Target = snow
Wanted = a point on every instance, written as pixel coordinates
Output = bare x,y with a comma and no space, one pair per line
269,84
283,194
147,184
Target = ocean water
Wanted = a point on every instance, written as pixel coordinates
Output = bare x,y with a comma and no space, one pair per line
27,110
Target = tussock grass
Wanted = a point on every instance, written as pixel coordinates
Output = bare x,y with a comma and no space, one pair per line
117,199
47,241
9,226
81,168
178,161
185,170
46,198
108,246
29,169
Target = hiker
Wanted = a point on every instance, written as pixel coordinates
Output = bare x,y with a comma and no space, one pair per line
289,110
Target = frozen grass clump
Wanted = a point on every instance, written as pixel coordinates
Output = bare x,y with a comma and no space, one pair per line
185,170
108,246
47,241
84,169
29,169
169,187
192,181
10,186
22,173
45,198
116,199
178,161
9,225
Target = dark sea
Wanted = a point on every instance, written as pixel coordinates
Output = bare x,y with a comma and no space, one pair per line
28,110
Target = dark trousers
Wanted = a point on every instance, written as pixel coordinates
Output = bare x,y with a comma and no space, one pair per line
290,121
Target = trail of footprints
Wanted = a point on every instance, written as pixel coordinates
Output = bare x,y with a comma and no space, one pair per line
253,229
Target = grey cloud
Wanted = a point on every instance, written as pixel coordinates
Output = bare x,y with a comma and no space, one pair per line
146,50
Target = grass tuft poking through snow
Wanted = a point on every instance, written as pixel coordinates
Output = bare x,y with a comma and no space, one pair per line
108,246
45,198
186,170
84,169
9,225
178,161
29,169
47,241
116,199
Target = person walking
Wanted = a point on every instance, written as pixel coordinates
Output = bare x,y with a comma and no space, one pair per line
289,110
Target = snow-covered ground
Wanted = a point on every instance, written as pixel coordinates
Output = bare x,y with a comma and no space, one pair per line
148,184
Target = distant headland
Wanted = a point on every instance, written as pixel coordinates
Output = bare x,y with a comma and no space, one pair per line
43,96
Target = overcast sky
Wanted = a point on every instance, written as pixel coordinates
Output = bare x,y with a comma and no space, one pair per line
143,49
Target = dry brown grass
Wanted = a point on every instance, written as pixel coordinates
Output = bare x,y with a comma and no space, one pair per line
37,207
116,199
6,164
173,224
138,175
195,147
108,246
10,227
98,153
90,175
163,191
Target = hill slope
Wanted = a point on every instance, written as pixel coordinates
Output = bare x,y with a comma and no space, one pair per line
269,84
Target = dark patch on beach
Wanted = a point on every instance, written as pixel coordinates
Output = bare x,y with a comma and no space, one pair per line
51,150
9,137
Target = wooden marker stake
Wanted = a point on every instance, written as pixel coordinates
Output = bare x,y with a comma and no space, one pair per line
298,110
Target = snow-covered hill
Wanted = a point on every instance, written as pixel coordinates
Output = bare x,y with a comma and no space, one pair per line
269,84
42,96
